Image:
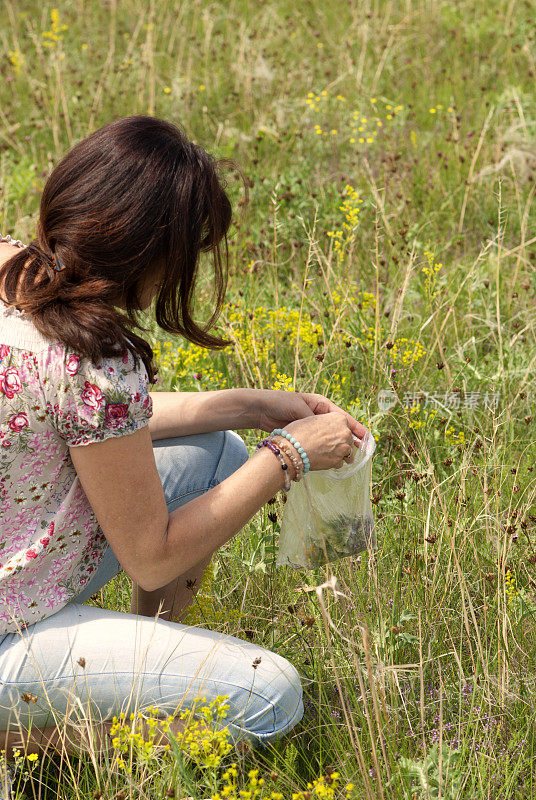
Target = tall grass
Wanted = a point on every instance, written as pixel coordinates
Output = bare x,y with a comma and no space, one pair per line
417,661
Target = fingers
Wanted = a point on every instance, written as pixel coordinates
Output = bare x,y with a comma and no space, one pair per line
357,429
347,458
351,437
321,405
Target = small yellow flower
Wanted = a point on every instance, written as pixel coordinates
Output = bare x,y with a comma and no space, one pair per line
432,111
202,87
84,46
54,34
319,44
510,586
373,100
17,59
33,757
167,90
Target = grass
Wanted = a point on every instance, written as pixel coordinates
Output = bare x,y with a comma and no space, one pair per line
399,257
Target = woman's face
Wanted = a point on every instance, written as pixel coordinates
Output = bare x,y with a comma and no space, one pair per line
149,289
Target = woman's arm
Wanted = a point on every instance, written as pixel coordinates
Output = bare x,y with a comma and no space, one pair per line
185,413
198,528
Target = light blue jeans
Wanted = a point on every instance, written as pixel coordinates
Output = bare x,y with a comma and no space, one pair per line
85,662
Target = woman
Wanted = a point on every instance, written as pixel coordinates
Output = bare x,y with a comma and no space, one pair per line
97,474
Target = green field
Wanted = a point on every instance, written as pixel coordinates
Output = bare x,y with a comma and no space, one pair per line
388,243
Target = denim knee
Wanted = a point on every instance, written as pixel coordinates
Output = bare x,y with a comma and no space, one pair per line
234,455
267,722
291,707
190,465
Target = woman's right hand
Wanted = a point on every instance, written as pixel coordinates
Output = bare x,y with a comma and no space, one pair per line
326,438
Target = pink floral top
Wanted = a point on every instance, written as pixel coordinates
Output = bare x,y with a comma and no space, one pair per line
52,399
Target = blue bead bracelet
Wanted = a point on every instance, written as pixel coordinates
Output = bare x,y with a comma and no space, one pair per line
297,445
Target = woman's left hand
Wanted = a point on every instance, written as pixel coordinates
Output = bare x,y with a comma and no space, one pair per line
277,408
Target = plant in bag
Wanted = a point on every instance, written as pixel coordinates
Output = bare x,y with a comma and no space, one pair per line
328,514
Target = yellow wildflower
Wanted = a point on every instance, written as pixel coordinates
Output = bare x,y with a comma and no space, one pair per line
54,34
17,59
510,582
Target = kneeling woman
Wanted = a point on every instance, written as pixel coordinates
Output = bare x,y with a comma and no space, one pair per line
98,475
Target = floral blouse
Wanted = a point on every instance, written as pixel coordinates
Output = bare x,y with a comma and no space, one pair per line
52,399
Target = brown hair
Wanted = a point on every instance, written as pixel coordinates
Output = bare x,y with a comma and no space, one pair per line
133,201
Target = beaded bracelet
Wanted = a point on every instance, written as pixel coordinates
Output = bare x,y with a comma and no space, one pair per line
298,464
284,466
292,458
297,445
286,448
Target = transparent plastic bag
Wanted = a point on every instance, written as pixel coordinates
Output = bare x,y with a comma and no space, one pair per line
328,514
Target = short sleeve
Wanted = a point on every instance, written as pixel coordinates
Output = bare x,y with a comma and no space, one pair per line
89,402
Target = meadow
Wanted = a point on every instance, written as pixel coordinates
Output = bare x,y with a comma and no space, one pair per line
385,257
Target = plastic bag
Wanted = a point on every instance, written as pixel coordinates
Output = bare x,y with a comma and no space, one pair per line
328,514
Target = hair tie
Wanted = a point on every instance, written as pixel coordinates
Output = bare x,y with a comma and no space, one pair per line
56,263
